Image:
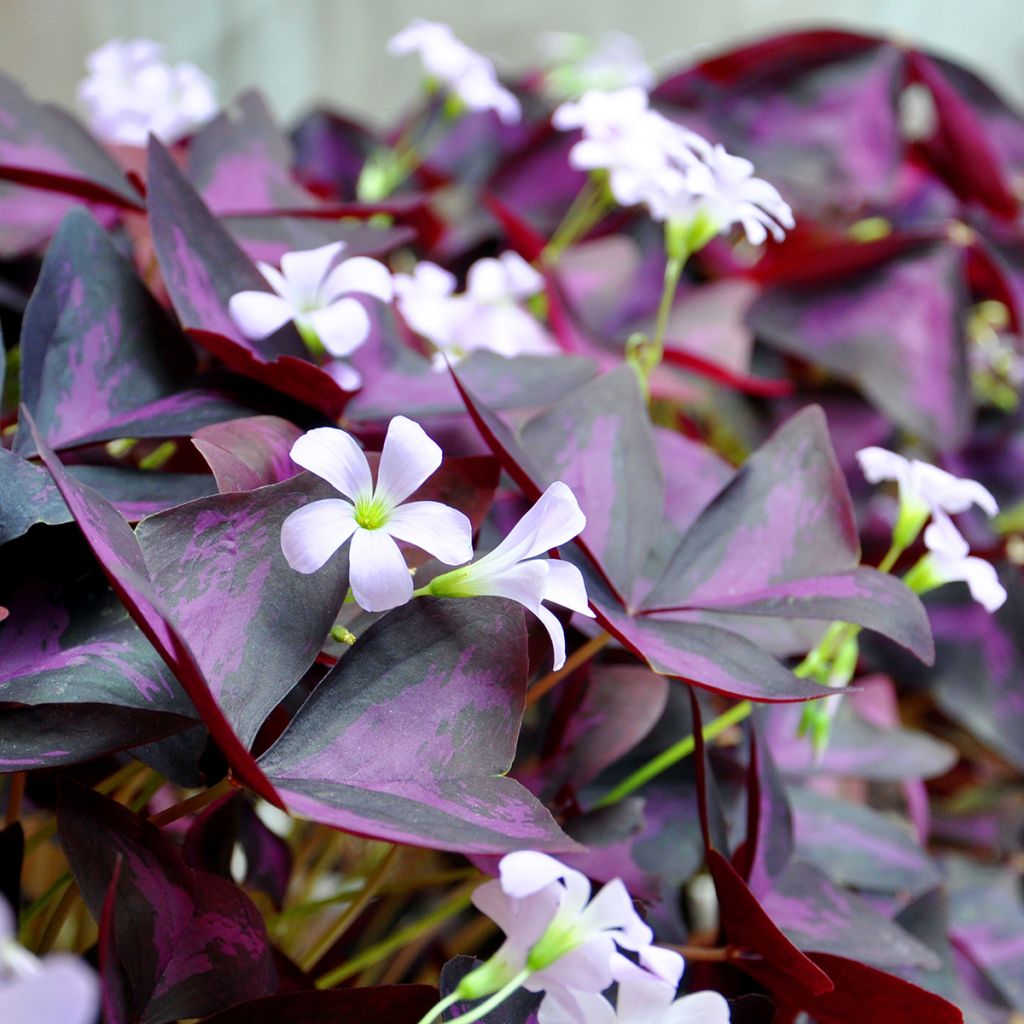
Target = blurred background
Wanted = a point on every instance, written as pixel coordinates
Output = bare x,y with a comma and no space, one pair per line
307,52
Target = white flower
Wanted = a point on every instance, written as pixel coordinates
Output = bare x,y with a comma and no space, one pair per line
925,489
59,989
640,999
314,288
376,516
466,73
555,934
130,91
615,62
720,192
488,315
950,561
513,569
677,173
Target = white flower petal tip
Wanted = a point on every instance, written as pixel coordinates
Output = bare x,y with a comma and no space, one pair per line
130,92
314,288
489,315
465,73
376,515
513,570
677,174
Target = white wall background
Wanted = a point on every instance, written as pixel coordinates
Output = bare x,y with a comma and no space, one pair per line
306,51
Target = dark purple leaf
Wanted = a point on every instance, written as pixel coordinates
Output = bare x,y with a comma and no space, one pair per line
979,669
859,847
136,493
768,849
330,152
189,943
113,993
818,916
12,855
27,497
598,440
409,737
117,550
41,145
987,925
248,453
393,1004
239,162
865,995
253,623
816,111
69,653
95,345
202,268
519,1008
858,748
232,823
896,330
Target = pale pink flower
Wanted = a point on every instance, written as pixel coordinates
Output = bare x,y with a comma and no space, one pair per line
314,288
377,514
130,92
950,561
514,570
615,62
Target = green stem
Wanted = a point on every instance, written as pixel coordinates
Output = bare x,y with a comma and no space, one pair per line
673,271
352,911
674,754
496,1000
585,211
378,952
436,1012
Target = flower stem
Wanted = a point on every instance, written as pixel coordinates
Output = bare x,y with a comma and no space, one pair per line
496,1000
585,211
352,911
455,905
57,919
573,662
437,1010
194,803
673,272
674,754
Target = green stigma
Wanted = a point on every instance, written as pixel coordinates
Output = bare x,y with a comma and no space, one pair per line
372,513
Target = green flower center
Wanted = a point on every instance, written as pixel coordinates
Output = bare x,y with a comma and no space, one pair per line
371,512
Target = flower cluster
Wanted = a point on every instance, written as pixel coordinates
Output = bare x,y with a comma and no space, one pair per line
578,65
927,491
562,942
466,74
377,514
130,92
681,177
488,315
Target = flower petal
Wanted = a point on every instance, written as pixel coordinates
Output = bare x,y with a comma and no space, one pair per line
879,464
408,458
527,871
523,582
587,968
305,270
564,585
335,457
65,991
442,531
258,314
274,278
311,534
341,327
568,1006
554,519
550,622
360,274
377,573
612,908
699,1008
348,378
641,997
523,920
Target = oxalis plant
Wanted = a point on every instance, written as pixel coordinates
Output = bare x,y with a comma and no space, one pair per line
555,561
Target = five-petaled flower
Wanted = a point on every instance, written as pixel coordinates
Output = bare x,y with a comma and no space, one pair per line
314,288
513,569
130,91
377,514
928,491
59,989
465,73
487,316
